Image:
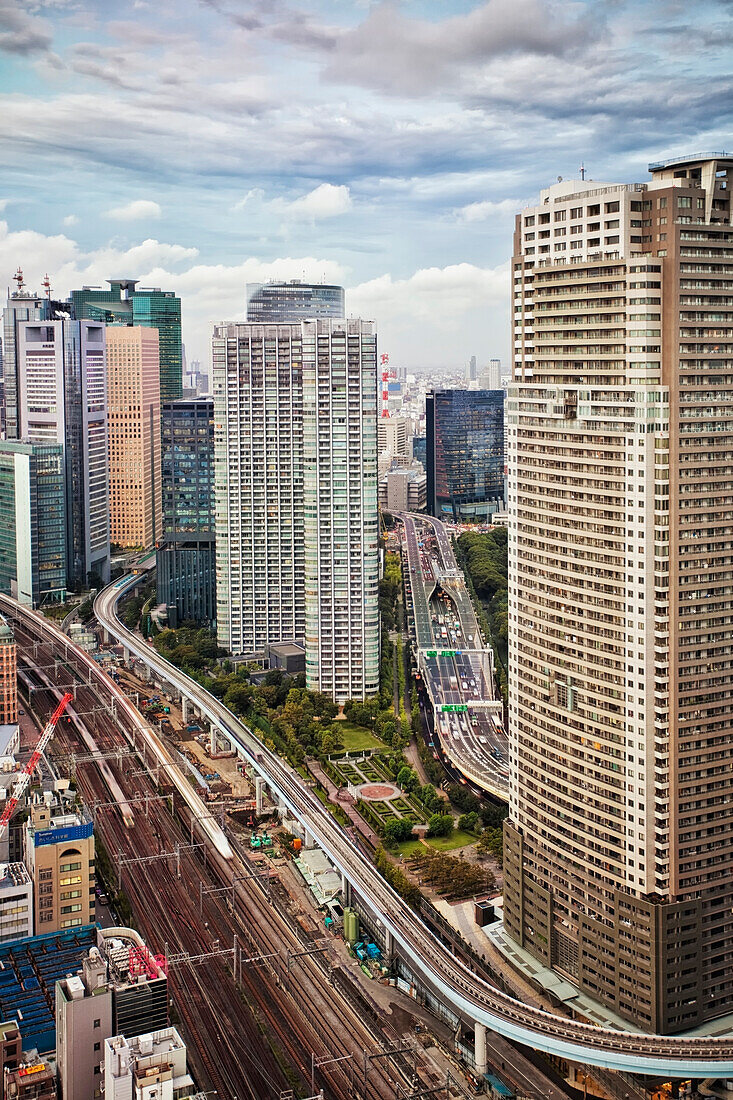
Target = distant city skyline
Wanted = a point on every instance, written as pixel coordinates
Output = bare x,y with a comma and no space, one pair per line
329,154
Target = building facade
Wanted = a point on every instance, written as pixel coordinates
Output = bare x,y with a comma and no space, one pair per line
618,849
147,1067
59,855
258,471
294,301
296,508
393,434
133,386
464,453
16,902
186,557
8,676
62,398
126,303
121,989
32,522
21,306
340,499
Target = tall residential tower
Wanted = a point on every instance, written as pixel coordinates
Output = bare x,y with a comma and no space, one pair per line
619,846
295,473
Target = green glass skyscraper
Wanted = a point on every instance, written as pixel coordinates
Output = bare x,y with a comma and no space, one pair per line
126,304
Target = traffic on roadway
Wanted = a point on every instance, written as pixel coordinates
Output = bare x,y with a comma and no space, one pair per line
455,665
469,993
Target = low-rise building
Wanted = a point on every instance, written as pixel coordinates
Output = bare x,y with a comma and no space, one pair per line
16,902
121,989
30,1081
59,854
148,1067
404,490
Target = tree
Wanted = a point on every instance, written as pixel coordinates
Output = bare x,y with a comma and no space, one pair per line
397,829
468,822
407,779
440,825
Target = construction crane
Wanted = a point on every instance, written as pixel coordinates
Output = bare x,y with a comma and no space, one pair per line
25,776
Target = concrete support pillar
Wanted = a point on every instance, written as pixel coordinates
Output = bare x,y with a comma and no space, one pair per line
479,1040
388,943
185,709
125,654
259,784
212,741
308,841
345,890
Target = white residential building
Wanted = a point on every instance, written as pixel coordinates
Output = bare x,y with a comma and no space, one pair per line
295,436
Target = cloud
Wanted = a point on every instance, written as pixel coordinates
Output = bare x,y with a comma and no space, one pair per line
70,219
325,201
328,200
3,204
135,211
20,32
482,211
400,55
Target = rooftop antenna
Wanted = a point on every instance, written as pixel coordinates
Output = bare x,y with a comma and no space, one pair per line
46,284
19,280
582,171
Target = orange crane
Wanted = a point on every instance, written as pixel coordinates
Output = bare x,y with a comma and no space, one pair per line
25,776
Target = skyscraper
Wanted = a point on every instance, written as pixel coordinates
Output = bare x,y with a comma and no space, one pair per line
618,847
61,397
21,306
295,475
128,304
464,453
186,564
32,522
133,385
341,519
294,301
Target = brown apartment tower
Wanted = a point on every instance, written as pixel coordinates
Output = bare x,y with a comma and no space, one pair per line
619,845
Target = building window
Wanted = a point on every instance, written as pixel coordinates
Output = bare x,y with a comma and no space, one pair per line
97,1046
97,1023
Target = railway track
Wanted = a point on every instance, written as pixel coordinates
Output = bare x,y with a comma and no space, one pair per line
227,1025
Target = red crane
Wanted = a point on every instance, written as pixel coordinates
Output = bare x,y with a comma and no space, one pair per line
25,776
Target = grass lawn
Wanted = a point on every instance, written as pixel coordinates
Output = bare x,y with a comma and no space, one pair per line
408,848
457,839
354,737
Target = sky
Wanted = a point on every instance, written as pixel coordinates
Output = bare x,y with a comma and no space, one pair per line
202,144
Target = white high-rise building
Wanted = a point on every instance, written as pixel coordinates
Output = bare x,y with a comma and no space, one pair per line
62,398
295,435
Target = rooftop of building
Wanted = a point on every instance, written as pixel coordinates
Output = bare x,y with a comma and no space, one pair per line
8,734
690,158
13,875
286,649
54,823
118,959
17,1080
152,1044
6,632
29,970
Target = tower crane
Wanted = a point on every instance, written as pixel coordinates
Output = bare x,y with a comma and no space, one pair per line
25,776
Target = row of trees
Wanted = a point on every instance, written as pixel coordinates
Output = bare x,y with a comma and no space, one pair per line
451,877
484,557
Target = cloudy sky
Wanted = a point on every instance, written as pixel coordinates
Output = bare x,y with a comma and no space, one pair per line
201,144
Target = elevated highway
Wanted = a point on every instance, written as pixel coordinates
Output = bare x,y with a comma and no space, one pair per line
458,672
469,994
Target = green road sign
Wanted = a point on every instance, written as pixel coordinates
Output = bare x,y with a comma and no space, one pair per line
453,708
431,653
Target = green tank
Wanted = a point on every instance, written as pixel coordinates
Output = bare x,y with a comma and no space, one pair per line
351,926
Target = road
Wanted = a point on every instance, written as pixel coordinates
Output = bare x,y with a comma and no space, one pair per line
467,992
456,667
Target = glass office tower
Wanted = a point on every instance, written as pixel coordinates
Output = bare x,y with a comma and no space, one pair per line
186,555
150,307
293,301
32,522
464,457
